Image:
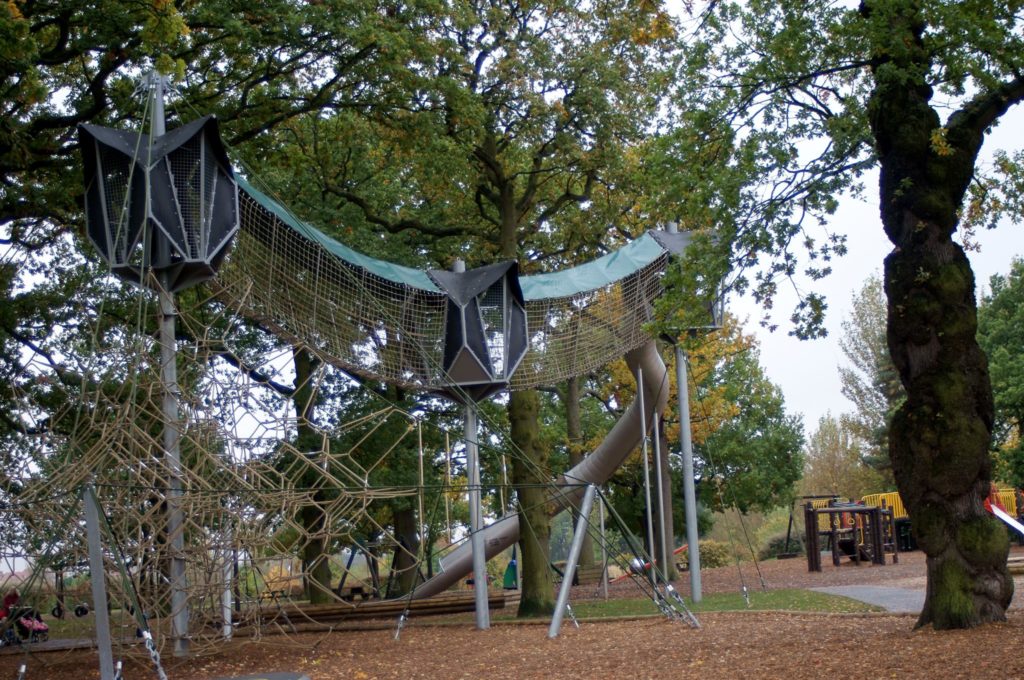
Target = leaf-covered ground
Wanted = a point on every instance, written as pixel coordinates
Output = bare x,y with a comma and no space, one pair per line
728,645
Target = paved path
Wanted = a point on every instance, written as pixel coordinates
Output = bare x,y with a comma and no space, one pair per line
901,600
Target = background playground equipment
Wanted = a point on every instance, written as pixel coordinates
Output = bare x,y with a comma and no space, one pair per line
897,537
904,535
860,531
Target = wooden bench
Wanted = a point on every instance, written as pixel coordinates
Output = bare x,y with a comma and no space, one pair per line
589,575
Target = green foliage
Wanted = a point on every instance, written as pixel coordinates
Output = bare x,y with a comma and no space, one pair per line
770,537
714,554
62,64
778,545
836,464
870,380
1001,335
753,459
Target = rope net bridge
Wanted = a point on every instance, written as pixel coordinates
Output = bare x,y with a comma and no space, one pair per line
387,322
267,512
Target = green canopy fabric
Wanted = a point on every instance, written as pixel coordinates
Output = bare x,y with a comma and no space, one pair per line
407,276
604,271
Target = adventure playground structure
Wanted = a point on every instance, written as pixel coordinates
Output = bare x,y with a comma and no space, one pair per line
205,512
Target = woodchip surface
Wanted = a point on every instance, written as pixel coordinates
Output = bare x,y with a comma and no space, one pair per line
728,645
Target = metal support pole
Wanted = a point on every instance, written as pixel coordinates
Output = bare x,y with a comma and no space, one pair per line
422,546
172,429
666,555
604,552
647,478
570,563
689,488
476,537
226,601
172,453
99,584
447,486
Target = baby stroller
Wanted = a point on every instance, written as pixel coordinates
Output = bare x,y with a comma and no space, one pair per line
30,626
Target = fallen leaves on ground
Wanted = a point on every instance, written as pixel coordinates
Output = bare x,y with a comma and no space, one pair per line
728,644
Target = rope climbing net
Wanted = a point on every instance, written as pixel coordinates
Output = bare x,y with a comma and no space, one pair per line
257,504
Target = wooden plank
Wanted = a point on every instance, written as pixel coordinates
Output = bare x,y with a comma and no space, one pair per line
440,604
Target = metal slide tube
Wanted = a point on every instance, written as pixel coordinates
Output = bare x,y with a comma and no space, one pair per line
594,469
570,563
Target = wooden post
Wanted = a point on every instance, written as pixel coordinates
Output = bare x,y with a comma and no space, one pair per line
833,534
808,540
813,545
878,536
895,539
855,531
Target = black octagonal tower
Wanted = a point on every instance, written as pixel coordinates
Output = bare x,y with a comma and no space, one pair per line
485,332
168,204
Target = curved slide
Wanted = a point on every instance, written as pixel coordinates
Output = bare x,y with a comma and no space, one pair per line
1003,515
596,468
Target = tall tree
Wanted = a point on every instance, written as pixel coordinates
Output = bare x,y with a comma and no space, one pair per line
909,87
870,380
575,438
67,63
753,459
1001,335
835,461
511,146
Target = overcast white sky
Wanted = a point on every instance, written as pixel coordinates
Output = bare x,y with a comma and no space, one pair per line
807,370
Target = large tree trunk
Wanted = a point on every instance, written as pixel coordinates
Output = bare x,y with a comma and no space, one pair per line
314,558
406,570
313,550
530,476
529,467
574,433
939,438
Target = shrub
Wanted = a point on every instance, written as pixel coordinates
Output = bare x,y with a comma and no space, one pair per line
715,554
712,554
776,545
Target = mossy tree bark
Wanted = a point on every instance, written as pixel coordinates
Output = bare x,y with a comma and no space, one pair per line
939,438
529,470
574,433
529,465
406,565
313,549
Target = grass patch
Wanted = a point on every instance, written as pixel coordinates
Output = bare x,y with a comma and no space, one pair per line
784,600
773,600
